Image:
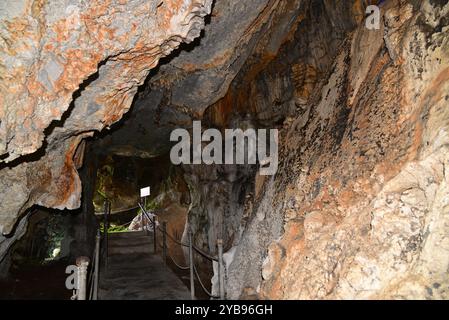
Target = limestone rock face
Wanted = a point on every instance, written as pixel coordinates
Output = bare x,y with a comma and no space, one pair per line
218,195
359,206
7,243
190,80
354,108
67,69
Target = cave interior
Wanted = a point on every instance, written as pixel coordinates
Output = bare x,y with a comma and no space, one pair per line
358,202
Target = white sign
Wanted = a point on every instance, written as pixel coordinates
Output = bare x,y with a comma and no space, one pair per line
145,192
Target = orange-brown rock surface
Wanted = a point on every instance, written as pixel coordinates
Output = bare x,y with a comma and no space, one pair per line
360,205
69,68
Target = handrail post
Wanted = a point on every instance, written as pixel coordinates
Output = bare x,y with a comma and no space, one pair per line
105,229
82,263
192,283
164,241
221,269
97,264
142,220
154,234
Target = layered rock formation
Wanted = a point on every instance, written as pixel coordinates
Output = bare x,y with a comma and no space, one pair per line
359,205
68,69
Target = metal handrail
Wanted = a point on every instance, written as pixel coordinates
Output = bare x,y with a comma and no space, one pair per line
192,249
91,278
153,221
146,213
124,224
205,255
123,210
177,265
95,270
201,252
173,238
202,285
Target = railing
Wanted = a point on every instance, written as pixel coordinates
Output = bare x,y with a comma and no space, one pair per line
82,281
95,271
192,249
144,224
82,264
92,282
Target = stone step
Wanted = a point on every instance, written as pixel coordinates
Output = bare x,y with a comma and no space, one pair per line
135,272
129,249
130,267
129,259
150,293
136,281
134,241
126,235
129,243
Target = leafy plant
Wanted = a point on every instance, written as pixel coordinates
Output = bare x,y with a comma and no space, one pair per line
114,228
152,205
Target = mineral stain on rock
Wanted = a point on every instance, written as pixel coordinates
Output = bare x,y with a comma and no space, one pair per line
91,91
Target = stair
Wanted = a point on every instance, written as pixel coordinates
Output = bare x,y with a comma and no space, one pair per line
129,242
134,272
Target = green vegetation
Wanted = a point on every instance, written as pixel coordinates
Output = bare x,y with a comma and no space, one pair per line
114,228
152,205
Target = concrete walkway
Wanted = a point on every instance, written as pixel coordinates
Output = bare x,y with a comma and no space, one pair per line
134,272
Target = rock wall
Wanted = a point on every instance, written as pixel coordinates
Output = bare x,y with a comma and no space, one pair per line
359,206
219,195
5,246
68,69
